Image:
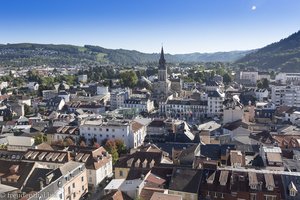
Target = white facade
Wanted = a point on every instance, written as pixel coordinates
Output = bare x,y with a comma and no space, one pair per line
286,95
261,94
3,85
102,90
232,114
146,105
251,77
48,94
33,86
215,101
96,176
185,109
293,117
25,101
65,96
82,78
117,97
287,78
121,130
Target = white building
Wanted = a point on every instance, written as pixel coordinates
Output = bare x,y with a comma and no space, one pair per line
285,78
232,112
286,95
118,96
48,94
131,132
65,95
214,86
293,117
26,101
82,78
185,109
215,101
145,105
19,143
250,77
3,85
261,94
98,165
102,90
33,86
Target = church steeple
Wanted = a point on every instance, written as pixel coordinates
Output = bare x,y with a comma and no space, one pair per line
162,61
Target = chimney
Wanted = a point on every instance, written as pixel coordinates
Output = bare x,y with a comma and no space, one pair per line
41,184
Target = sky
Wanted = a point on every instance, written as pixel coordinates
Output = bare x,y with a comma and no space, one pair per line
182,26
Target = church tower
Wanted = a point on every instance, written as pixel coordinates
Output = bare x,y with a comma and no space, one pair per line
162,69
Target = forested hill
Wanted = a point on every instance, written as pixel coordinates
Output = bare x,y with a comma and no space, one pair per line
283,55
26,54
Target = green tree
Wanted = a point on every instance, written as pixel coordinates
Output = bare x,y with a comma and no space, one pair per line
27,109
4,91
262,84
111,147
129,78
40,138
121,147
227,78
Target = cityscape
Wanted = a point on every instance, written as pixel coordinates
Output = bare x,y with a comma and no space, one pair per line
136,100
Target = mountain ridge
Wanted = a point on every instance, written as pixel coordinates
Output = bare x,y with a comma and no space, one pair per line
283,55
63,54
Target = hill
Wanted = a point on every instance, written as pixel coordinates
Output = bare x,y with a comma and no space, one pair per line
283,55
27,54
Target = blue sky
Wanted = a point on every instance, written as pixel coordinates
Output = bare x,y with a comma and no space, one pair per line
183,26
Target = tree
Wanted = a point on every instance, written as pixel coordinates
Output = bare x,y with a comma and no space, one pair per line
27,109
40,138
265,83
129,78
3,91
262,84
111,147
227,78
121,147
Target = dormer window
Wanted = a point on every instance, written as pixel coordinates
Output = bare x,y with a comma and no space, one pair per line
270,188
253,187
292,189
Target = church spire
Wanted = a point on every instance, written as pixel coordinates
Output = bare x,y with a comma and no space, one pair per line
162,61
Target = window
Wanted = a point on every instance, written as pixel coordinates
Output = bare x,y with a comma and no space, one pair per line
82,188
100,135
121,173
113,136
113,130
90,179
95,129
82,179
73,185
107,136
89,128
292,193
107,130
69,190
252,196
74,195
270,197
